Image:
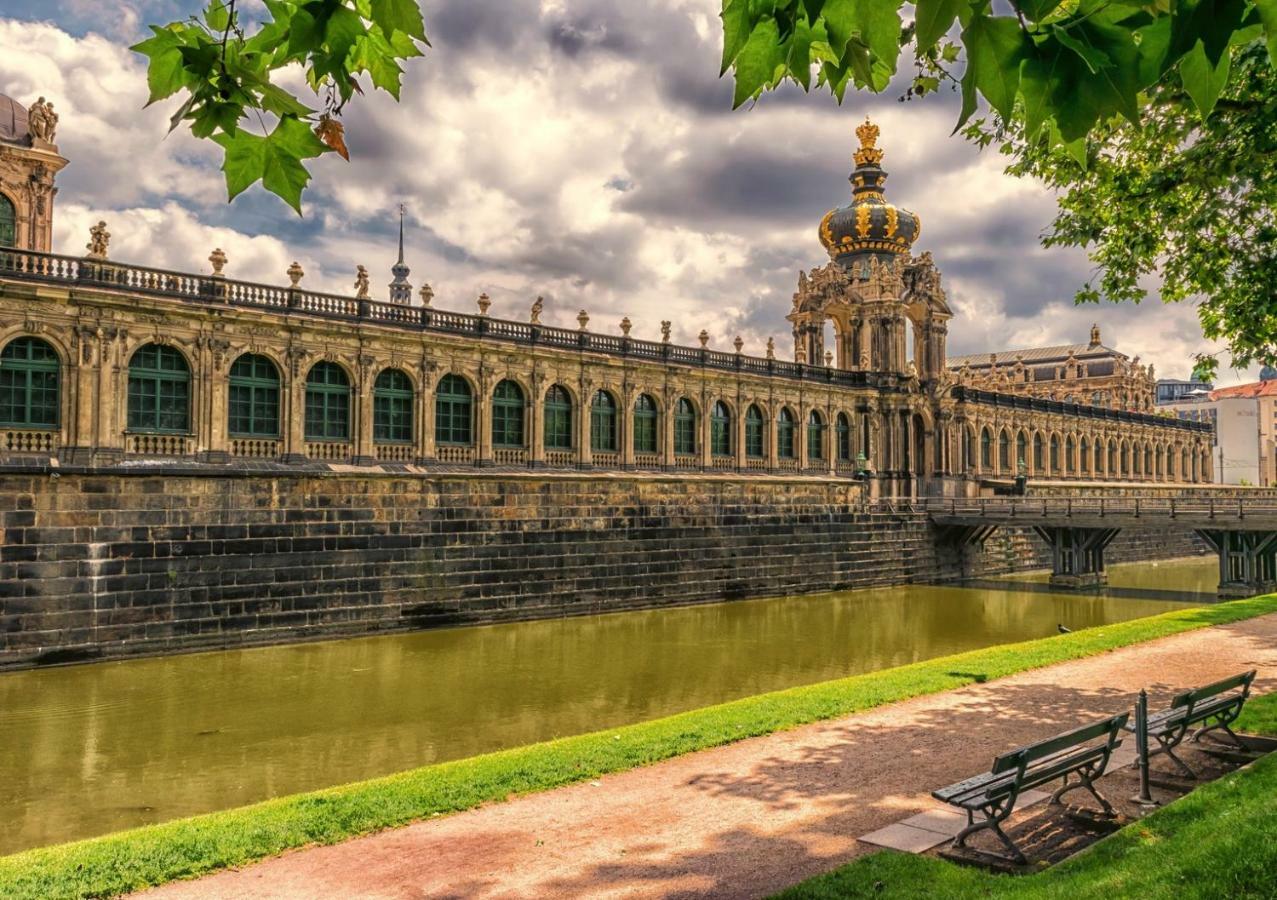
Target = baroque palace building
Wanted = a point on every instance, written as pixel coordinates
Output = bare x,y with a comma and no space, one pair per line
104,362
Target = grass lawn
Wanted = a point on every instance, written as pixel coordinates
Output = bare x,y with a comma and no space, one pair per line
1219,842
129,860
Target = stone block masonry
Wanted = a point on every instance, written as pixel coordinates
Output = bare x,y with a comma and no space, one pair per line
101,565
108,564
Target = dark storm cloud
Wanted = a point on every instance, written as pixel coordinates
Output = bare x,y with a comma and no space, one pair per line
467,24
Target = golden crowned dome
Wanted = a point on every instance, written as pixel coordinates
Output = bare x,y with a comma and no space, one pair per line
869,225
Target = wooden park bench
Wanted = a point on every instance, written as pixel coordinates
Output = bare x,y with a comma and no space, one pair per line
1215,706
1083,752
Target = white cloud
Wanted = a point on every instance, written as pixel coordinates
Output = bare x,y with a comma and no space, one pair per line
582,150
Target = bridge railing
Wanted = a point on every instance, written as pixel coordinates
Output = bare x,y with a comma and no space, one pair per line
1229,508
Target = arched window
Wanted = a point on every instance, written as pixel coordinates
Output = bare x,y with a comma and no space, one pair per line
1069,447
754,432
1126,465
1170,462
454,408
558,419
1112,466
843,429
1021,452
1084,456
159,390
720,430
327,403
8,223
1037,454
1148,460
986,449
392,399
1055,454
1004,451
28,384
645,424
603,423
253,404
684,427
507,415
815,436
1099,456
785,434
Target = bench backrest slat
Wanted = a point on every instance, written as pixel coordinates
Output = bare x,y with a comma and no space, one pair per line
1075,738
1195,696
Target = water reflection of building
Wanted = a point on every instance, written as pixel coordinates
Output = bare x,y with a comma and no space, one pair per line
102,361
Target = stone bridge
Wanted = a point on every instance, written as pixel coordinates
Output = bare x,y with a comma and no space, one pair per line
1240,525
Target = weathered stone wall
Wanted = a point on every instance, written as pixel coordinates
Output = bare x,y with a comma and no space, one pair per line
95,565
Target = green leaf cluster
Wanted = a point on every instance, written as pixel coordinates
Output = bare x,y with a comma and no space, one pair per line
1059,67
225,67
1183,204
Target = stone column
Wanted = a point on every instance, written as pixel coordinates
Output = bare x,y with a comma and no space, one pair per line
294,410
364,452
625,423
483,412
217,387
586,455
536,429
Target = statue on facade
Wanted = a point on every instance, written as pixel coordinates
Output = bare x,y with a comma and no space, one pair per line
99,240
361,283
665,331
42,121
534,315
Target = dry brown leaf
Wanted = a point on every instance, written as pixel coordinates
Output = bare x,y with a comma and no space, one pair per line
333,134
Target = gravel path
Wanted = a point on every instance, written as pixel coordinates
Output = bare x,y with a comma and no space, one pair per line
747,819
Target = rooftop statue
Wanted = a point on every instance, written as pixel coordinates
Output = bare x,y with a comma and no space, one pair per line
42,121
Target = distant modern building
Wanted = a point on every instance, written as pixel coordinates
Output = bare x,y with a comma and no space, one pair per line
1237,456
1264,395
1173,390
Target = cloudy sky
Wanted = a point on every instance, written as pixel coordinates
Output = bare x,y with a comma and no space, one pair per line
585,150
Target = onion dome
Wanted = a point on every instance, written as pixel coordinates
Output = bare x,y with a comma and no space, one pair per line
868,226
13,121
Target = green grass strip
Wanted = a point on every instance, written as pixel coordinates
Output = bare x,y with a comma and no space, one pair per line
1220,841
130,860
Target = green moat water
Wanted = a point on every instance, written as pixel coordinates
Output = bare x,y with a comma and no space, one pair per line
91,749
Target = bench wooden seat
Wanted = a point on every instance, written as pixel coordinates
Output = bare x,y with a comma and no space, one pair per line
1215,706
1082,753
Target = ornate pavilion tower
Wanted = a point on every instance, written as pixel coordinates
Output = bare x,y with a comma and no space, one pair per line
876,295
29,161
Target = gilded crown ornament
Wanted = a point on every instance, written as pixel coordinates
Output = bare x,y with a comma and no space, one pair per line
868,154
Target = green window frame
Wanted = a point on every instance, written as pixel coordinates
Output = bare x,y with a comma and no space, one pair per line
986,449
720,430
507,415
815,436
645,438
785,434
252,408
8,223
327,403
1055,454
1037,453
392,403
558,419
159,398
1068,455
754,432
843,431
1084,456
454,411
1004,451
684,426
603,422
30,385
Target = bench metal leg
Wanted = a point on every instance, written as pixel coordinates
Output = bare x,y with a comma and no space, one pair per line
1222,721
994,815
1168,749
1085,780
